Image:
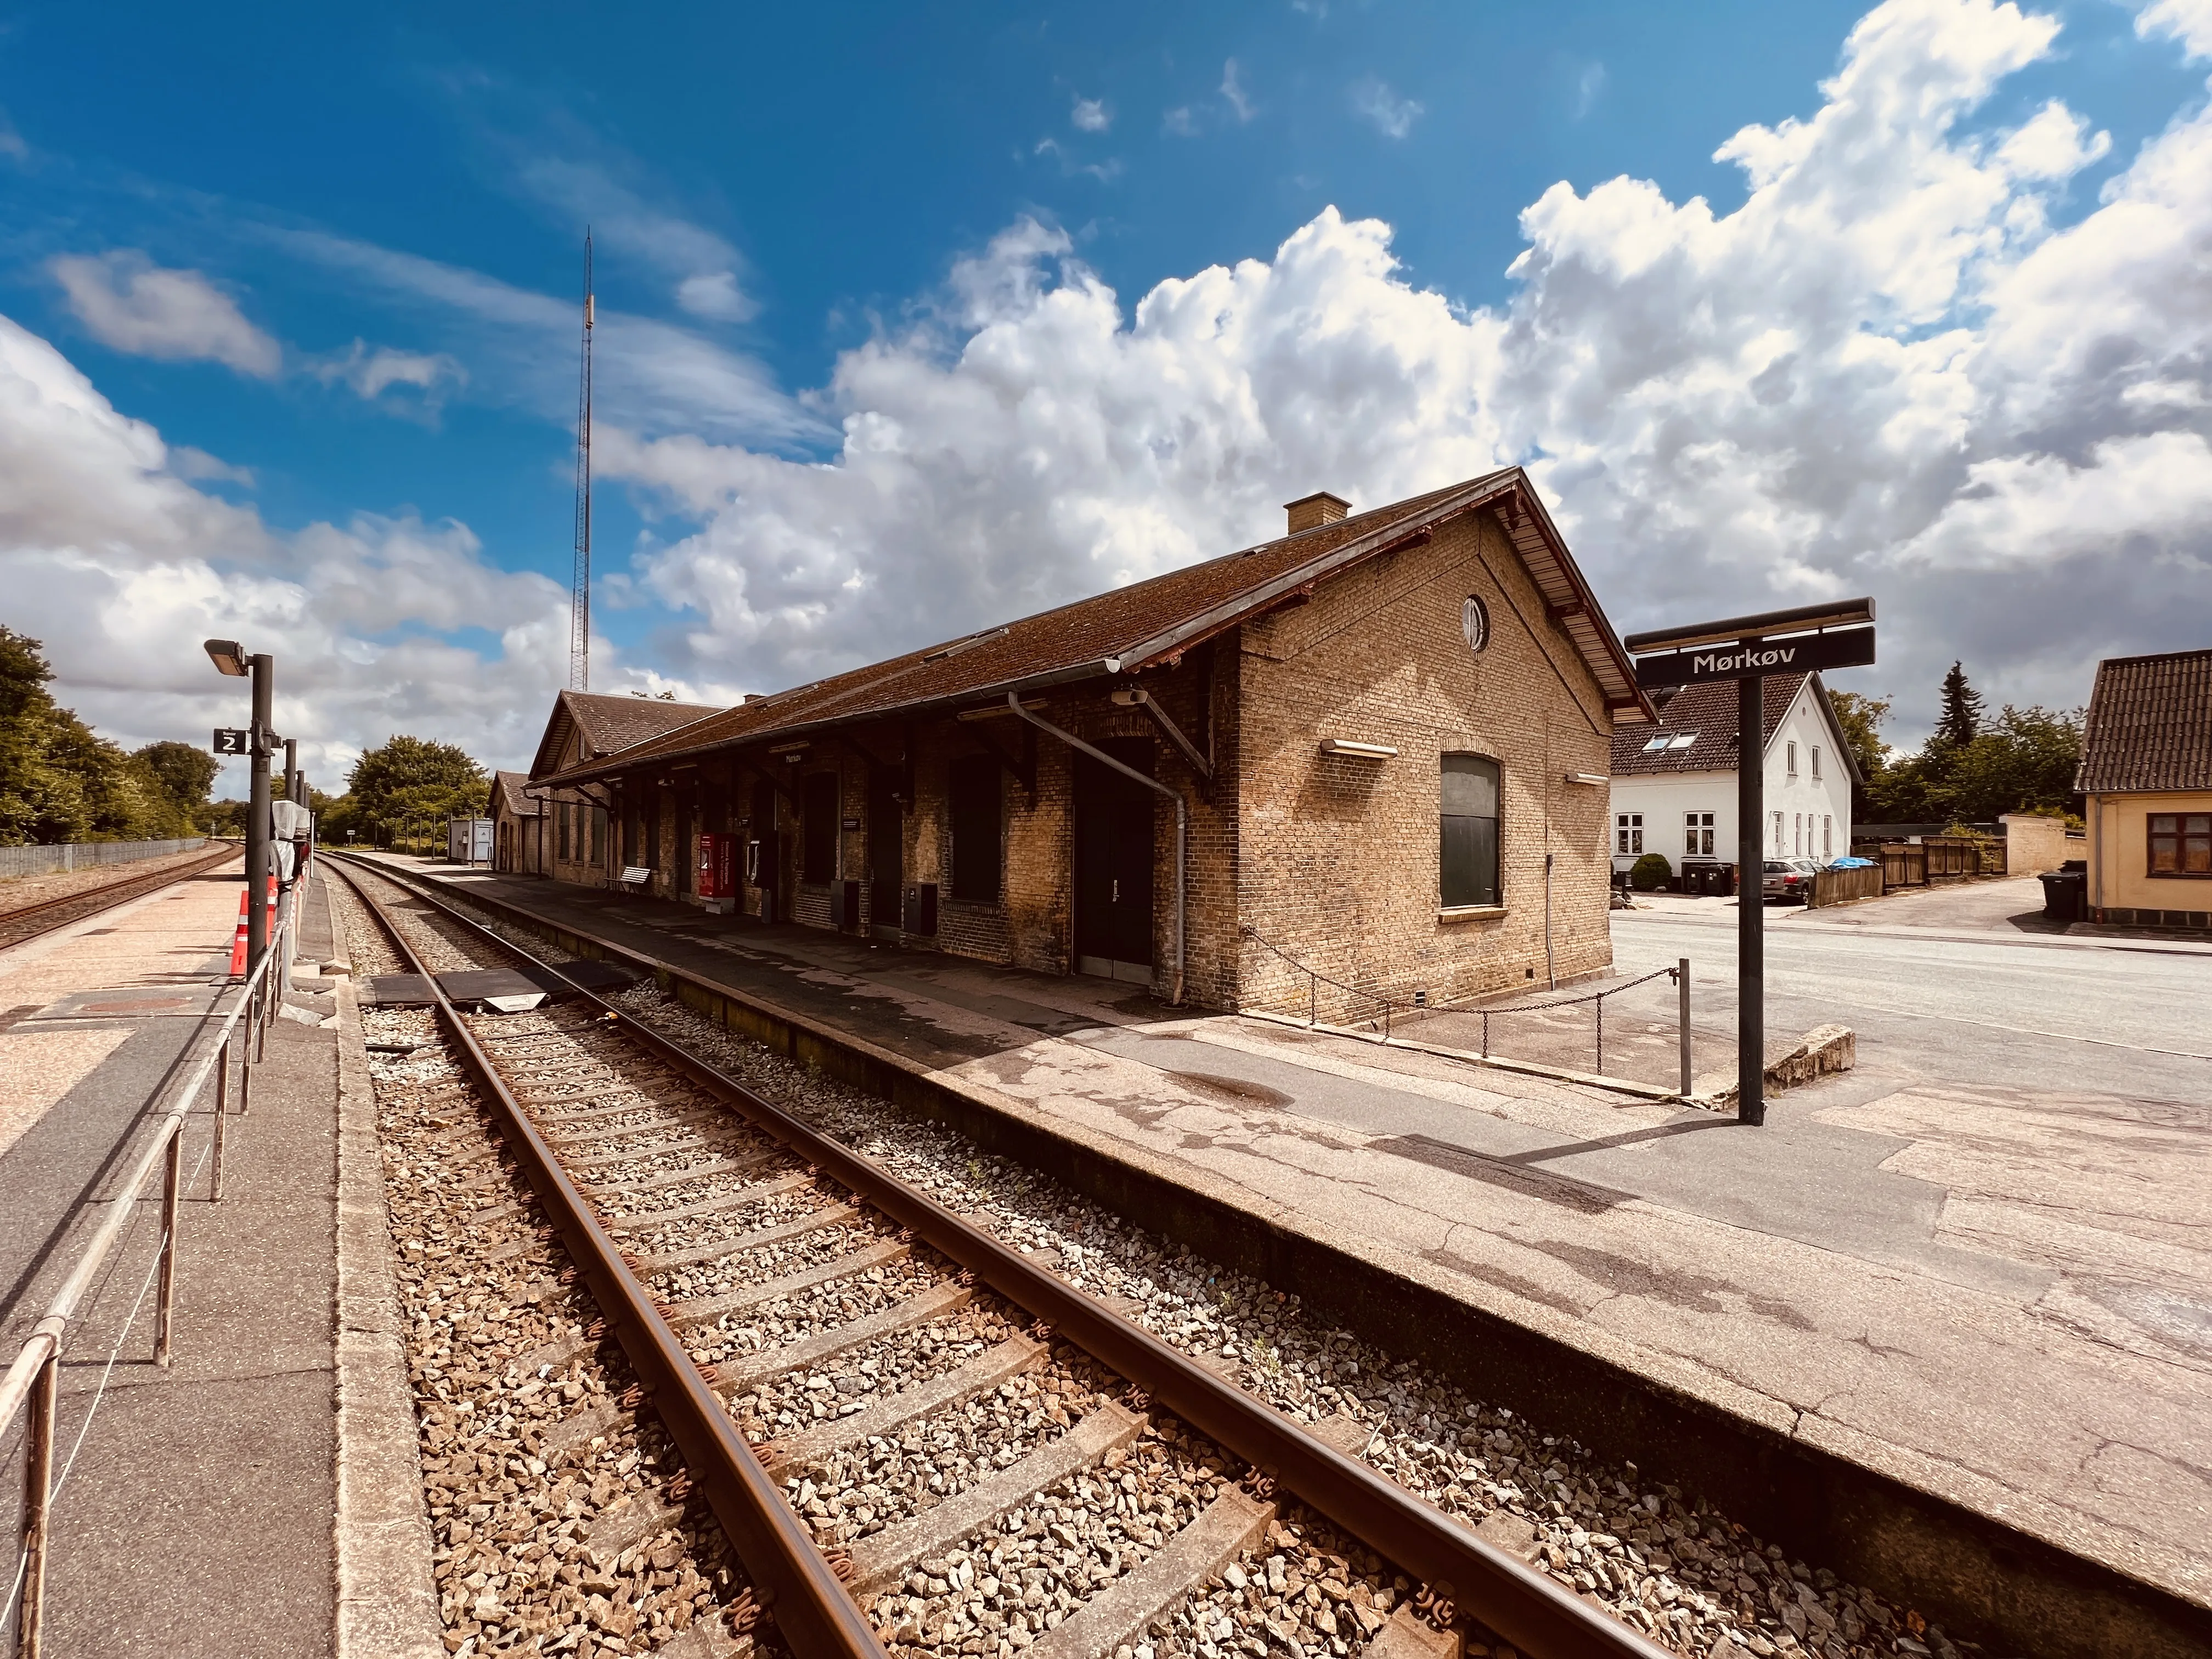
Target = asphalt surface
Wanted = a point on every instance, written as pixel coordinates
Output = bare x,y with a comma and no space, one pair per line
1970,1003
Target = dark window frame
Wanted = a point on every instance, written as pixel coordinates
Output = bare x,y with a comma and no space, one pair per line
2186,834
818,830
977,831
1464,852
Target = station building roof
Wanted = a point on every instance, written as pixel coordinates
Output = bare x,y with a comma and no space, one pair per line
2149,729
1153,622
608,724
509,794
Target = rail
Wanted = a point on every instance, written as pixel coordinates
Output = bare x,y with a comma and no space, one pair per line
1679,974
812,1609
34,1376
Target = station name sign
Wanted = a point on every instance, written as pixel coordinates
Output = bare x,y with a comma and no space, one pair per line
1744,660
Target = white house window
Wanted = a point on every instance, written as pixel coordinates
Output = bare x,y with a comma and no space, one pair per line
1698,835
1827,836
1797,833
1816,762
1681,740
1628,832
1791,750
1781,825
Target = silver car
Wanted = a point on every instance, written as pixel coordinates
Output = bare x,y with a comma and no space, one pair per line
1789,879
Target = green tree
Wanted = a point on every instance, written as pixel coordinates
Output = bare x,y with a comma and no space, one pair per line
1862,716
183,772
403,792
60,781
1960,722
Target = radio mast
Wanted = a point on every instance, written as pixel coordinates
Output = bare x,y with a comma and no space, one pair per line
580,599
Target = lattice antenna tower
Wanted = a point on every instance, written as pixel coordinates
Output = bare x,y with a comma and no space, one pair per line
580,598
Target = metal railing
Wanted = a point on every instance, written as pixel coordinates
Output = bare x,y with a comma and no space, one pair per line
1679,974
1315,979
35,1376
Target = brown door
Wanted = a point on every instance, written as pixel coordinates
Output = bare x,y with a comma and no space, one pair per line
1113,849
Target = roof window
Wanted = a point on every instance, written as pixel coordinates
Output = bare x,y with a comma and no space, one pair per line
1681,740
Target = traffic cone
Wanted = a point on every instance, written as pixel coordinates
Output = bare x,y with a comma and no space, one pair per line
238,944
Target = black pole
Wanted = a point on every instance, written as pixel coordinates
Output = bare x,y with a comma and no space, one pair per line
257,817
1751,901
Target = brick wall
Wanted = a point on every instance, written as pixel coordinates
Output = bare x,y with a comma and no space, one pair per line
1333,860
1341,854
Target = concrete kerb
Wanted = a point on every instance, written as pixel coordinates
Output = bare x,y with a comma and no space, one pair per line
1890,1529
387,1604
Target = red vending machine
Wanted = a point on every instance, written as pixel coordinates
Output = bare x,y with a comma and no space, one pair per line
717,873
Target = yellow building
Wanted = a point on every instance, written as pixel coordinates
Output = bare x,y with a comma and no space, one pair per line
2147,771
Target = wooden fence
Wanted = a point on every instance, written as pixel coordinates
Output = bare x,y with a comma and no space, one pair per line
1842,886
1932,859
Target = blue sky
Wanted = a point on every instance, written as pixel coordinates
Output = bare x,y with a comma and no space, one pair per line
336,257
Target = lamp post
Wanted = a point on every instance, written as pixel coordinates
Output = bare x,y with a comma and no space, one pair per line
230,659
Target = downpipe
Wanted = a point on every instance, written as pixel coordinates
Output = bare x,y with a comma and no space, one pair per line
1182,812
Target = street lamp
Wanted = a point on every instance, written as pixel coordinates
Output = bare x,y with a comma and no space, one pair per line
229,658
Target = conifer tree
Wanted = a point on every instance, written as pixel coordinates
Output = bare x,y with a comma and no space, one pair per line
1960,722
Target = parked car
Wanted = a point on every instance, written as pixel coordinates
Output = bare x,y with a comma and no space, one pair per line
1789,878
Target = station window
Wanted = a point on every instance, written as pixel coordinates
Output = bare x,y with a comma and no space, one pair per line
1698,835
598,834
1468,869
974,799
2181,844
560,829
817,810
1628,832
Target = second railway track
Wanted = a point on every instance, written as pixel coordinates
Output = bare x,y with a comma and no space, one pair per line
25,922
765,1281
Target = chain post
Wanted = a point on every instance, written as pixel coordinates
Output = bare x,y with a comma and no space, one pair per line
221,1110
38,1506
171,1180
1682,1016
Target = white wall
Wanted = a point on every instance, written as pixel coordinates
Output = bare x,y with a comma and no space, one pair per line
1807,804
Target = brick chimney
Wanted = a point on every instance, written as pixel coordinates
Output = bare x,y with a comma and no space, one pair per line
1312,511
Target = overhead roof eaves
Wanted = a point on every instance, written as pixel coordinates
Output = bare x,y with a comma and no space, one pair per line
627,760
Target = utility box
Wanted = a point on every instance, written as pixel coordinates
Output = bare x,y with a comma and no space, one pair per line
468,841
716,882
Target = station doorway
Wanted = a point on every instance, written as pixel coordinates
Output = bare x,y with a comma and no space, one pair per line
886,853
1115,844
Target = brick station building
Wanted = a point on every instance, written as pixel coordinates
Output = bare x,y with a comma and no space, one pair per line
1375,748
582,726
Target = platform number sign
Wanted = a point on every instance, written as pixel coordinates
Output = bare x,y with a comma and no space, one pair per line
230,740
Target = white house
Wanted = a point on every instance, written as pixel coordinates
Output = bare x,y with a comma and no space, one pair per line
1674,785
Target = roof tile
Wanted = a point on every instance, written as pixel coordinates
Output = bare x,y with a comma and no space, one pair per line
2150,725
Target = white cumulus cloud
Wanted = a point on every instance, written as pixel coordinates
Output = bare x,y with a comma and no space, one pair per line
111,559
1885,372
133,305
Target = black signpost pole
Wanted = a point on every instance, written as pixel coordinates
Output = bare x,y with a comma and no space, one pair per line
1750,900
257,815
1746,649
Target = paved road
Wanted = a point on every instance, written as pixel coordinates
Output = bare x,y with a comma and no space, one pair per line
1934,1004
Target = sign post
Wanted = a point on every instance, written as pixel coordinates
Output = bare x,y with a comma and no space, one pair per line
1747,649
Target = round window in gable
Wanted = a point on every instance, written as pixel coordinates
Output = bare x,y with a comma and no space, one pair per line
1474,622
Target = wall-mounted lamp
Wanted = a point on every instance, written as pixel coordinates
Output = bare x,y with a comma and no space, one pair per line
1358,751
1589,780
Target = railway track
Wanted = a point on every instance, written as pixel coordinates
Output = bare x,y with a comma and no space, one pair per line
911,1436
27,922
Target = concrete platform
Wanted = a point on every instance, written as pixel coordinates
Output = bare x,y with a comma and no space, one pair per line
1994,1294
199,1512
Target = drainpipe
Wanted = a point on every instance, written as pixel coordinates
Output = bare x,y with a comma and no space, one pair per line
1181,811
1551,972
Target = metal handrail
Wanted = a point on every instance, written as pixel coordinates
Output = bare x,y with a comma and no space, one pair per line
35,1375
1315,979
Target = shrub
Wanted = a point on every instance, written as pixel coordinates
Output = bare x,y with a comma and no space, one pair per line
1650,872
